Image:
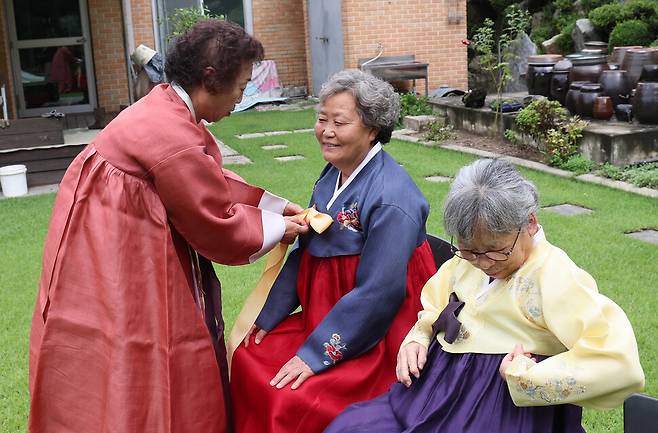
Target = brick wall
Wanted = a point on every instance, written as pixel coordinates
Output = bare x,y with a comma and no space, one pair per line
142,23
279,25
417,27
5,62
105,20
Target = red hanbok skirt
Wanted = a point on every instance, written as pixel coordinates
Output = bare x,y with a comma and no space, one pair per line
321,282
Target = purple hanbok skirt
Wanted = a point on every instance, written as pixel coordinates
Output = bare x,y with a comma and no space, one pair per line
456,393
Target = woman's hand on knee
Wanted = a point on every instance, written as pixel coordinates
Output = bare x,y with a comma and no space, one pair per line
260,334
291,370
411,360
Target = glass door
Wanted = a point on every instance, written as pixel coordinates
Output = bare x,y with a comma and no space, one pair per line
51,56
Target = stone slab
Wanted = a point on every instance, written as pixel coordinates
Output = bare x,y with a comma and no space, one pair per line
272,133
647,192
236,160
289,158
36,190
438,179
618,143
567,209
251,135
274,146
417,123
647,235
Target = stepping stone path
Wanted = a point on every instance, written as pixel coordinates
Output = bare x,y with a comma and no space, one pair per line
568,209
271,133
273,146
230,156
647,235
289,158
438,178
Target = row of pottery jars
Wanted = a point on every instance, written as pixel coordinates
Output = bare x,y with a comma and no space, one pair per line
540,70
645,102
559,86
634,61
587,100
616,85
588,68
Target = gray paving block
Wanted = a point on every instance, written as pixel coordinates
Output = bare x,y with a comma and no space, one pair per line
647,235
417,123
251,135
236,160
289,158
567,209
438,179
226,150
273,146
37,190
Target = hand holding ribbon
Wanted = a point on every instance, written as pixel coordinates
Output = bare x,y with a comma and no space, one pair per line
256,299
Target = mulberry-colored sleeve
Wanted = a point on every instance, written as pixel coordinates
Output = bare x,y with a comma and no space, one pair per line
200,205
362,317
600,366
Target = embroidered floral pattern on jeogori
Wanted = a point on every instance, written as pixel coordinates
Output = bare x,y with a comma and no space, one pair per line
334,349
349,218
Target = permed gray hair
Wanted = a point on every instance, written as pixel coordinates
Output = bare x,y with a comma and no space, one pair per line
377,103
488,194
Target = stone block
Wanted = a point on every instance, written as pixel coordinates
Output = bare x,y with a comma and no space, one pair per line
418,123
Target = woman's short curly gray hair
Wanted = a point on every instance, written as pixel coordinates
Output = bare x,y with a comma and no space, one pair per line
491,195
376,102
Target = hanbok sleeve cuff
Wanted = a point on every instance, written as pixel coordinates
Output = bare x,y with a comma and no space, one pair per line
418,335
274,228
272,203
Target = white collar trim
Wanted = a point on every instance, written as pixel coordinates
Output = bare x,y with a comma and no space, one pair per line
337,191
185,97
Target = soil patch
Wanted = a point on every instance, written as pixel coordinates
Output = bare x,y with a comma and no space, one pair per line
496,145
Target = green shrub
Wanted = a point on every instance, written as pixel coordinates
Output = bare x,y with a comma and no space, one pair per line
589,5
642,10
546,121
643,176
632,32
438,132
562,143
563,5
539,117
541,33
501,5
578,164
654,43
565,22
565,25
184,18
606,17
412,105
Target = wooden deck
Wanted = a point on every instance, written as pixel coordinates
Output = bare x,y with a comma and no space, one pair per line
46,146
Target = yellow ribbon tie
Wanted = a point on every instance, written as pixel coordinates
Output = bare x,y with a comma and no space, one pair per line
256,299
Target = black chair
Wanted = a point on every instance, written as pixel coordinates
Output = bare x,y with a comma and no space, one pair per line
640,414
440,250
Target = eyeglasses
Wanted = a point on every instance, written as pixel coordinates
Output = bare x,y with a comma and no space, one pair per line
496,256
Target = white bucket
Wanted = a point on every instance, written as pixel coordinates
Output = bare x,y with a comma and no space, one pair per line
13,180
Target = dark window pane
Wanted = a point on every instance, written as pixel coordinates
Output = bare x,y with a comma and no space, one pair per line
53,76
231,9
41,19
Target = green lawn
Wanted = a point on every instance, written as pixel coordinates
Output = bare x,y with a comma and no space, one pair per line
625,268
